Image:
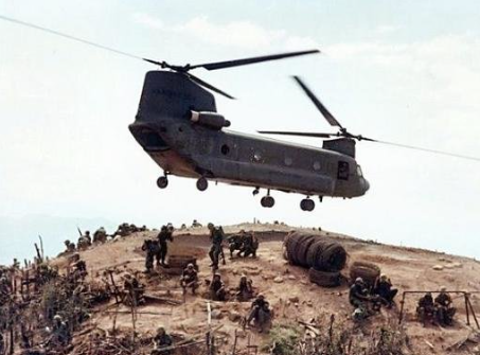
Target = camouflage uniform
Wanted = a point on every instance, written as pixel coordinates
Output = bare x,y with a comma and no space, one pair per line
259,312
216,236
245,289
189,278
217,289
133,291
383,288
426,308
250,245
100,236
444,311
166,234
162,340
235,243
60,333
152,248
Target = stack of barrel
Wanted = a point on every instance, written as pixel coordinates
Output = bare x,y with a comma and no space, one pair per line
324,256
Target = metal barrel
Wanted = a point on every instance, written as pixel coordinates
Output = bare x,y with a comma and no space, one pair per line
316,251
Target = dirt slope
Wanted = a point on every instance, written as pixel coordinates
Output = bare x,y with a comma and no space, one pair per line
291,295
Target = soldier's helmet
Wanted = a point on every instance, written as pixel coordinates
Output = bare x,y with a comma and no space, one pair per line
127,276
210,226
443,289
217,276
57,318
87,233
190,266
243,277
261,296
359,280
164,227
383,277
161,330
242,231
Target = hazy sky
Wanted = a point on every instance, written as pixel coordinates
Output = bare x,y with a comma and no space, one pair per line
404,71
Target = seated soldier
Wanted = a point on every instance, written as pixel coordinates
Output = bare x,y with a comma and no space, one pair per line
359,298
217,289
189,278
445,311
162,341
245,289
60,335
250,245
383,288
426,308
235,243
133,291
260,313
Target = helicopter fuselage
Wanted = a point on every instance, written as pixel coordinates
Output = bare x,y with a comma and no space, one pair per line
182,147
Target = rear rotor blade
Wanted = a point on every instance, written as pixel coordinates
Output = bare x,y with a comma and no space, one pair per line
295,133
252,60
444,153
326,114
208,86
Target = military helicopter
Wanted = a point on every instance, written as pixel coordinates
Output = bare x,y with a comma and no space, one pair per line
178,126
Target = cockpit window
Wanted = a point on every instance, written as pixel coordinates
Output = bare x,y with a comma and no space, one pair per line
359,171
343,170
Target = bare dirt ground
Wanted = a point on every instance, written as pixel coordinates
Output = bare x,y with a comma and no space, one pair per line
287,288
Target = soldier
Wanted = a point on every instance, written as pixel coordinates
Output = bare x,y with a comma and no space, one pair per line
166,233
196,224
250,245
358,297
133,291
426,308
152,249
79,270
260,313
235,243
70,246
189,278
161,341
216,236
445,311
383,288
100,236
245,289
217,289
2,345
60,333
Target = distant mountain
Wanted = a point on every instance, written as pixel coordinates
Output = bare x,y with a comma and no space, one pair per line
18,234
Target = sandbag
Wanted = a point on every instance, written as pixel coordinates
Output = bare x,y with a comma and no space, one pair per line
369,272
324,279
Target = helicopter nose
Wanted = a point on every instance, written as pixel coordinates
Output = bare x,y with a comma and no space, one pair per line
366,185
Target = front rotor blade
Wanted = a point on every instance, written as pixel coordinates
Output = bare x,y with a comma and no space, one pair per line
443,153
252,60
326,114
296,133
208,86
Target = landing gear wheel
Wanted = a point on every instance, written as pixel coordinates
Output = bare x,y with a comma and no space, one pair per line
202,184
267,201
162,182
307,205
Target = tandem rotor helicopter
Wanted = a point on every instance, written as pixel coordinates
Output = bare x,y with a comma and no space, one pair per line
178,126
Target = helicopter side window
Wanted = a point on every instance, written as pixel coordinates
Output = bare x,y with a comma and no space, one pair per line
343,170
359,171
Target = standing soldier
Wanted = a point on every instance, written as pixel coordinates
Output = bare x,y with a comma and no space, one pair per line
162,341
189,278
216,237
164,235
133,291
